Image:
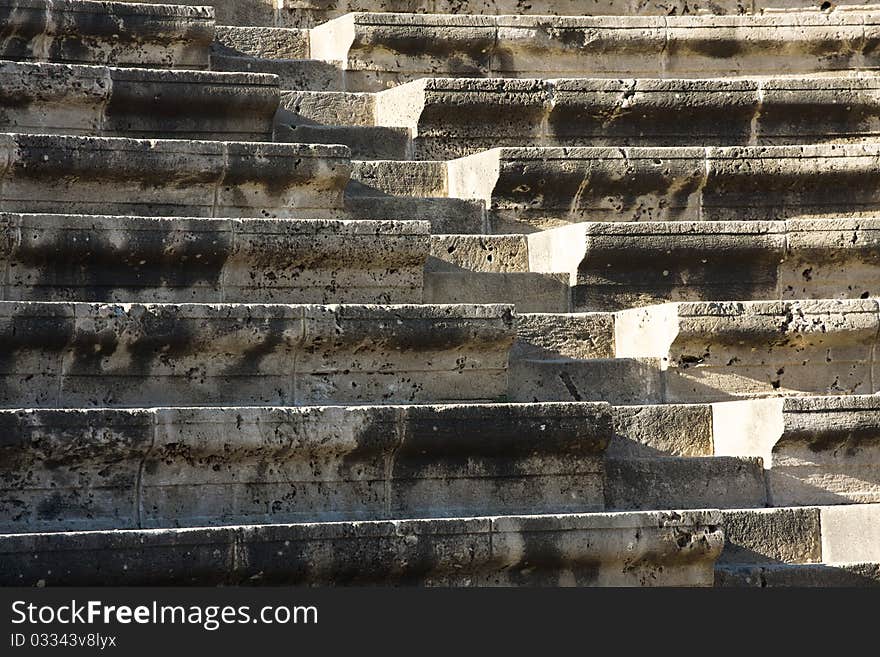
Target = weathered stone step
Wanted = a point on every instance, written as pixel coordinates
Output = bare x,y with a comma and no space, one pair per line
190,467
692,352
129,102
310,74
109,175
811,575
105,355
118,33
636,549
527,189
382,50
179,260
815,450
446,215
715,351
620,265
454,117
802,546
684,483
299,14
491,269
845,534
818,450
364,142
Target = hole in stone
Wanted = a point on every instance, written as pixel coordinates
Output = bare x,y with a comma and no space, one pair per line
825,6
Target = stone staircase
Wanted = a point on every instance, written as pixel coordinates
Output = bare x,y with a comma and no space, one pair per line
300,294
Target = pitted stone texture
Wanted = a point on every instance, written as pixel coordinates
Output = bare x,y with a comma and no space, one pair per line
107,175
275,43
659,430
446,215
416,179
622,549
77,32
724,350
818,450
168,260
568,335
528,189
184,467
382,50
530,292
758,536
310,13
455,117
615,380
618,265
100,355
684,483
117,102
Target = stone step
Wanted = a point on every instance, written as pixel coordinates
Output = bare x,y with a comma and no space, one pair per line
309,74
455,117
528,189
684,483
801,546
491,269
377,51
112,355
818,450
83,469
420,179
299,14
109,175
179,260
621,381
446,215
619,265
635,549
802,535
717,351
116,33
814,575
364,142
128,102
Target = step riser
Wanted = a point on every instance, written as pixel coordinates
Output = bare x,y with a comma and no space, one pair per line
294,14
531,189
83,175
455,118
718,351
379,51
82,355
110,33
624,265
649,549
81,470
800,576
818,450
127,259
113,102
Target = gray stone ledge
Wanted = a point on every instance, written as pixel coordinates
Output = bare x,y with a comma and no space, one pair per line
623,549
528,189
77,32
618,265
818,450
108,175
117,102
95,355
382,50
183,467
455,117
715,351
147,259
